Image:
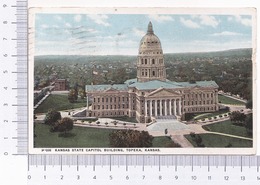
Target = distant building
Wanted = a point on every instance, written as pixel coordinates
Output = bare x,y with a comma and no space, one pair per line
151,95
60,85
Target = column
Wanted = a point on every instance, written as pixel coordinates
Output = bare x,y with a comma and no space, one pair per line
174,107
160,107
151,101
179,107
145,108
165,107
155,107
170,105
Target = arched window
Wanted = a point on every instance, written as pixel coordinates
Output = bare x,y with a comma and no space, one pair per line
142,61
153,73
145,61
153,61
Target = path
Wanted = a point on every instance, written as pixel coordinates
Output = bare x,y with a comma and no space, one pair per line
235,98
181,140
229,135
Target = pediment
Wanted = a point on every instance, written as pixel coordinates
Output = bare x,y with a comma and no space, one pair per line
163,93
196,87
111,89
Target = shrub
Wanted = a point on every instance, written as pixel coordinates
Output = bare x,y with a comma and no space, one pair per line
65,125
52,117
130,138
192,134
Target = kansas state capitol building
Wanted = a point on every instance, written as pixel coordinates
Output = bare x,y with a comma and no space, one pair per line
151,95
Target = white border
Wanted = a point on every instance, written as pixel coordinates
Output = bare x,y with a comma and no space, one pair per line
203,151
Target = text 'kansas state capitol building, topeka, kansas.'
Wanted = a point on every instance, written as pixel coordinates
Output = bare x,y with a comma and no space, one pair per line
151,95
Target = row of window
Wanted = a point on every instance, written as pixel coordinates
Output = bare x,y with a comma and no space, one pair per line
146,61
198,102
110,113
110,100
203,109
202,95
102,107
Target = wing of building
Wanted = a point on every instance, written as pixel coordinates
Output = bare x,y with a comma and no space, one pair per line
151,95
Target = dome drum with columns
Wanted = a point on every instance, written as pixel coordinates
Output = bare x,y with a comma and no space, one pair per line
151,96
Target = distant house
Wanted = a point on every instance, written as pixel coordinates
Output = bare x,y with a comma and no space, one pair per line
60,85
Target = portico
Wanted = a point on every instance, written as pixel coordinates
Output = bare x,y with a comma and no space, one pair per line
163,107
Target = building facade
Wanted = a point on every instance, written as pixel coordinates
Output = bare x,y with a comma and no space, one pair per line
150,95
60,85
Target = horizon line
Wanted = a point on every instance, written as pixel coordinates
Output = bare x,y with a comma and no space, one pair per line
137,54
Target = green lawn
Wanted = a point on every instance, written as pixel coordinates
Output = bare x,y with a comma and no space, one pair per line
213,140
82,137
59,102
227,100
228,128
163,141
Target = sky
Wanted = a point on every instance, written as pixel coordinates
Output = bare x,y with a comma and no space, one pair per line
120,34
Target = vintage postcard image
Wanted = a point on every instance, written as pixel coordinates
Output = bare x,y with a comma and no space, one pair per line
142,81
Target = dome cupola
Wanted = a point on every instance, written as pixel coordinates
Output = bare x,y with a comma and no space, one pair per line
150,63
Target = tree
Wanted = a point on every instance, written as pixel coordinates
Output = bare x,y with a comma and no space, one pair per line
130,138
72,96
249,124
237,117
82,93
52,117
249,104
65,125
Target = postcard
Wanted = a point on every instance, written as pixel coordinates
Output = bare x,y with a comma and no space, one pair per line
142,81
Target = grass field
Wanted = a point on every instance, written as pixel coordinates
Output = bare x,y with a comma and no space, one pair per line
228,128
213,140
227,100
82,137
162,141
59,102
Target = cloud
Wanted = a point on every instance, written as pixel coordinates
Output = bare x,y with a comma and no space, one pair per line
160,18
45,26
77,18
226,33
208,20
68,25
189,23
55,26
57,17
99,19
138,32
239,19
